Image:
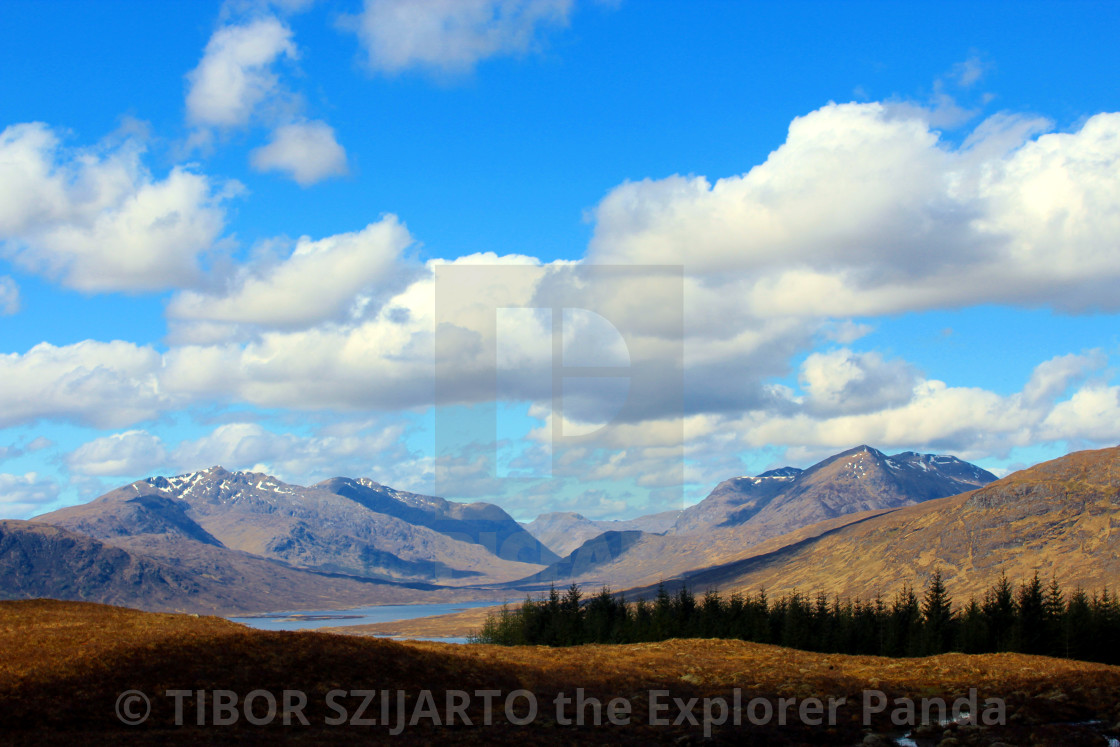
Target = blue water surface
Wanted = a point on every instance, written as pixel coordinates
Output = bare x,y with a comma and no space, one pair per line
380,613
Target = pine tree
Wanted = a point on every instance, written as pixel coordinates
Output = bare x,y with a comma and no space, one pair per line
763,629
713,620
736,618
882,621
684,613
973,633
643,621
797,628
570,627
1033,619
1106,628
937,617
1077,626
661,624
1030,620
904,624
999,609
601,618
1053,617
822,624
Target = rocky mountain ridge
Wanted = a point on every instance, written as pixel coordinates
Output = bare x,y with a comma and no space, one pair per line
221,527
859,479
744,512
1059,518
337,526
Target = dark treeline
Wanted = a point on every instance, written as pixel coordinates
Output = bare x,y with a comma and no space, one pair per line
1033,618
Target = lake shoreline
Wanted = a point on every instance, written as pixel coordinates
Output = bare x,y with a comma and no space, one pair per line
363,619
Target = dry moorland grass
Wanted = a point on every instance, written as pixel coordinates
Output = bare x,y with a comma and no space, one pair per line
64,665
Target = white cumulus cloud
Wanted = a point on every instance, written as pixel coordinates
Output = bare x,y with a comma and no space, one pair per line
235,75
1051,378
238,83
843,381
97,219
321,281
451,35
307,151
864,210
1091,414
9,296
130,453
104,384
24,495
968,421
366,449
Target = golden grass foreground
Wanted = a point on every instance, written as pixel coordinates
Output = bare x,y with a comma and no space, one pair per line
65,664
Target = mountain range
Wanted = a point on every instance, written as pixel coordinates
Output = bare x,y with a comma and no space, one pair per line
1060,518
859,522
246,542
859,479
742,512
354,527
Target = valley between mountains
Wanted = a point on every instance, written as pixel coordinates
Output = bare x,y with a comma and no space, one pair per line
858,523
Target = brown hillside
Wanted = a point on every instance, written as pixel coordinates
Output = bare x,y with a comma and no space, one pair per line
175,574
742,513
65,665
1059,518
652,558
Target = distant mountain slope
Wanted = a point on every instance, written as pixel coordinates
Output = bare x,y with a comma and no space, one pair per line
1059,518
563,532
780,501
739,497
314,528
584,560
40,560
746,511
859,479
477,523
644,559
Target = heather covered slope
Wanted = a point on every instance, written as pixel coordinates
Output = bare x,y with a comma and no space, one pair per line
66,664
783,500
746,516
1059,518
40,560
637,559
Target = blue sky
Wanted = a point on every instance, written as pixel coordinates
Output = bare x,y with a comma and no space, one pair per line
897,223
